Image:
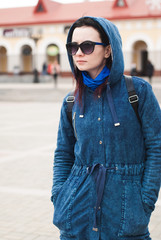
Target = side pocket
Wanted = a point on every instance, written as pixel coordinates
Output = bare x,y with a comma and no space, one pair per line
134,221
62,208
56,195
148,209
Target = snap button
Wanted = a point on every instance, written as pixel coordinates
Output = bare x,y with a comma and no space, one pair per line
99,96
99,119
95,229
100,142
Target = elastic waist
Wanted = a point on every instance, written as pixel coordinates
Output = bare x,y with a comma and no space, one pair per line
121,169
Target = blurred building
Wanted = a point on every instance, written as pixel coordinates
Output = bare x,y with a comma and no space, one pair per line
32,36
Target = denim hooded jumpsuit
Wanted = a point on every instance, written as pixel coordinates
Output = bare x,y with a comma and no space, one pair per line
107,166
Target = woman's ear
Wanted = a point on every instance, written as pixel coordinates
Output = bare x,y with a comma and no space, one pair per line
107,51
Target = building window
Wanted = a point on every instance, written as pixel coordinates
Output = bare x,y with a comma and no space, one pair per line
40,8
3,59
26,50
120,3
26,59
52,52
66,29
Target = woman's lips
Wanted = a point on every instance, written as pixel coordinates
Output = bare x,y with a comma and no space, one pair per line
80,61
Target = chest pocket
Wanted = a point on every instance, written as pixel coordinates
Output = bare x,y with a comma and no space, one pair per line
84,127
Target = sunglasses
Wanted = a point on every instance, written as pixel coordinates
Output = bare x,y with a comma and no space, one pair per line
87,47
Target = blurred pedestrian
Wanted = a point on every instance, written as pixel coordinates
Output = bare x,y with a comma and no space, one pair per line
36,76
55,71
49,68
149,70
107,165
133,71
44,68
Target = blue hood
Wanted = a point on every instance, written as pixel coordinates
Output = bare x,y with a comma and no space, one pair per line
113,34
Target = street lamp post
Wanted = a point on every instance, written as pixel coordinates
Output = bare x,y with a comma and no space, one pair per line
35,38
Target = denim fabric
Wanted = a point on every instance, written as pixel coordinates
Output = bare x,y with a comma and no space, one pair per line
130,153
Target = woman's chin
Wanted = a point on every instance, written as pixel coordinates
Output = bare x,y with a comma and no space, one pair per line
81,68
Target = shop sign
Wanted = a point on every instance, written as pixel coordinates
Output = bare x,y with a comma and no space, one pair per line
17,32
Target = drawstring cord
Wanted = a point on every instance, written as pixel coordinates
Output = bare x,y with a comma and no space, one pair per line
100,178
112,107
81,115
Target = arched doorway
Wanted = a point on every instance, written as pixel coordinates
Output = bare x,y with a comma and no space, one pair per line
26,56
3,60
140,56
52,53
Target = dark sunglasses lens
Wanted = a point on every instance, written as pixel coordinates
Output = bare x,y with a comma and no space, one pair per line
72,48
87,47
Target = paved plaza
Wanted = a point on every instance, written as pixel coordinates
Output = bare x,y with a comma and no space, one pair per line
29,115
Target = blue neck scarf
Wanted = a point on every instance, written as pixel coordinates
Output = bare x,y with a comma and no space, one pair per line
94,83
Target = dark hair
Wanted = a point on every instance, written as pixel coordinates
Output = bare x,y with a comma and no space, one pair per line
87,21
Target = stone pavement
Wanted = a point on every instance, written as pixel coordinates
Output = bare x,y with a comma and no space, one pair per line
28,127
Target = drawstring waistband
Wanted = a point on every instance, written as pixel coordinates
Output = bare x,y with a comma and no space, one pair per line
131,170
100,178
98,171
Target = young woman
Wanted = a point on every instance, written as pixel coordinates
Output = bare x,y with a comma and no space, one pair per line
107,166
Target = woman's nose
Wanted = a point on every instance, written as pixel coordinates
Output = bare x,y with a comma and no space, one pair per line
79,52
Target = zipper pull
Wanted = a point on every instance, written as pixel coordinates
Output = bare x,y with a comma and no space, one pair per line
74,115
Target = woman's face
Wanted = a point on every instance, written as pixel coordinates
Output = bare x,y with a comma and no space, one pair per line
95,62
